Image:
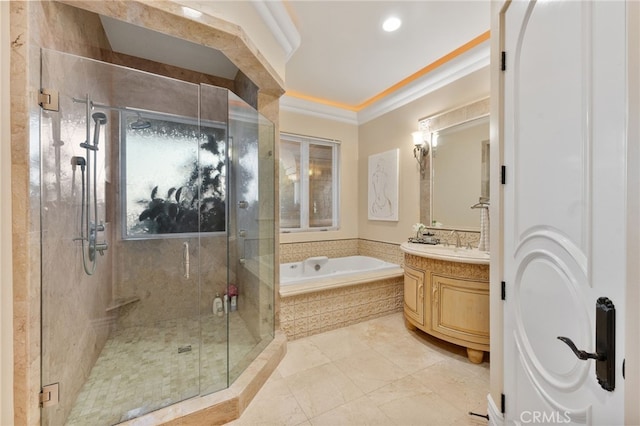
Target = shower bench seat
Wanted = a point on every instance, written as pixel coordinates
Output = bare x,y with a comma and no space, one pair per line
120,302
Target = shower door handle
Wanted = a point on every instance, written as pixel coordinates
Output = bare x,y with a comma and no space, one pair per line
185,259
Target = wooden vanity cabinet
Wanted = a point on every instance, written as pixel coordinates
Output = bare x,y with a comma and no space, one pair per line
449,300
414,294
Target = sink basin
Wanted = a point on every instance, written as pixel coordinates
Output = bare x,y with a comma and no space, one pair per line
450,253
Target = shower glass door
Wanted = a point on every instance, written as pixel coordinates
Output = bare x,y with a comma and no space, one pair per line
132,188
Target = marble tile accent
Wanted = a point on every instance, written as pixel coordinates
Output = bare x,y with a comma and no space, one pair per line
296,252
210,31
323,310
466,237
367,374
386,251
30,30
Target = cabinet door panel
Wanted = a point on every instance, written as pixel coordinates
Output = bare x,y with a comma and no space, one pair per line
460,308
414,294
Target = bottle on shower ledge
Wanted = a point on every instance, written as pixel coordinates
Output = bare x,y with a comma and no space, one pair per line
234,303
217,306
225,302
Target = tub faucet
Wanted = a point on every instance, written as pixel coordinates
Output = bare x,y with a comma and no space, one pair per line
457,234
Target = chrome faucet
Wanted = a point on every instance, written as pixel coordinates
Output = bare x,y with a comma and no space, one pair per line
457,234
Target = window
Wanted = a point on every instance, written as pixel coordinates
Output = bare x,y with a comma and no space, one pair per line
173,175
308,183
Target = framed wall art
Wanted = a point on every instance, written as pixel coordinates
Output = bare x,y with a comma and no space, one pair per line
383,186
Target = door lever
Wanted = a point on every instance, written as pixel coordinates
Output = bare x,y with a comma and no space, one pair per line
583,355
605,354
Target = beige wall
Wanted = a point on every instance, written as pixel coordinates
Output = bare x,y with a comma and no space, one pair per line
347,134
393,130
6,293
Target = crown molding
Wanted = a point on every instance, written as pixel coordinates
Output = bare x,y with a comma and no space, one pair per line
446,74
315,109
277,19
465,64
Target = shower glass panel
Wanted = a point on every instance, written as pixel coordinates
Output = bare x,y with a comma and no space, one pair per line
251,234
124,340
141,234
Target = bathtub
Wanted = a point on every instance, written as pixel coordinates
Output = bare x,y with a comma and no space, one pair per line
319,273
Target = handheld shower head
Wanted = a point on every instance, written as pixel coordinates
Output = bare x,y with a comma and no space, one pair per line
100,118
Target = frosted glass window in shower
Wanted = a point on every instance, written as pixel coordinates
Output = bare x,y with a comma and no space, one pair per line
173,176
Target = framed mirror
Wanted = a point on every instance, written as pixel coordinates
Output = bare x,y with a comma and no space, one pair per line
457,171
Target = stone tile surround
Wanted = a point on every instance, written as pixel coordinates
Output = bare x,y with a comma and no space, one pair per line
312,313
296,252
466,237
323,310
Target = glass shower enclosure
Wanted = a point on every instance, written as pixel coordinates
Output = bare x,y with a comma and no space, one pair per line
157,243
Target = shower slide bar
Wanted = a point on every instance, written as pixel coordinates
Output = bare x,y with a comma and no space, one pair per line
89,228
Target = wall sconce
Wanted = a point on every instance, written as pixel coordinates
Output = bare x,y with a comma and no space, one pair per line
420,147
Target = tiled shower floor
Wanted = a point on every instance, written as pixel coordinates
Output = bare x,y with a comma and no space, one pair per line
140,368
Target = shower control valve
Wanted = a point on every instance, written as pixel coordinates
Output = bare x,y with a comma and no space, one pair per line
99,227
101,247
97,247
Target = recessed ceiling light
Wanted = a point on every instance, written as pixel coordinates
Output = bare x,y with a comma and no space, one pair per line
391,24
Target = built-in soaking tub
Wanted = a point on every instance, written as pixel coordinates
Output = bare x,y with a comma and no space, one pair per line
321,294
318,273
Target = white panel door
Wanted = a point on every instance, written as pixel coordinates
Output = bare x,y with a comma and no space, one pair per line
564,205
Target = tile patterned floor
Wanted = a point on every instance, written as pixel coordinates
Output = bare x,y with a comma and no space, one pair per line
141,369
373,373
